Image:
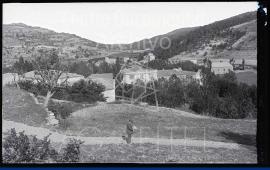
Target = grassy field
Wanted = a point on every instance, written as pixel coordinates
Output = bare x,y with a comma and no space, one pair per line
248,77
152,153
104,120
19,106
110,120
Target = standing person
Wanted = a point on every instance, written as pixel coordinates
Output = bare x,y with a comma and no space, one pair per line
129,130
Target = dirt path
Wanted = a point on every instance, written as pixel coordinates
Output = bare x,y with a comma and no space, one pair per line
61,138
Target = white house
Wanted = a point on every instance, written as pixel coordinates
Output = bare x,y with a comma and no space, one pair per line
149,57
221,67
185,76
178,59
131,75
110,60
215,60
107,80
9,78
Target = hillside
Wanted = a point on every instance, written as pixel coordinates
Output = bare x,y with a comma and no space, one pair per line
22,40
232,37
150,43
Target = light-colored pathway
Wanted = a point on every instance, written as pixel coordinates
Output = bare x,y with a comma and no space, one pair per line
61,138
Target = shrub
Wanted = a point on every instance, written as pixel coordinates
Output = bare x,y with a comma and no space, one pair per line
89,91
26,84
195,98
60,110
82,91
61,93
71,152
227,108
20,148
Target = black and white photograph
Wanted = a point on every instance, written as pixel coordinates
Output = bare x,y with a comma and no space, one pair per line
136,82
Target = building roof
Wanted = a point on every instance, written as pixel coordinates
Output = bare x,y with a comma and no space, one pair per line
213,60
106,79
136,68
97,59
221,64
103,75
168,73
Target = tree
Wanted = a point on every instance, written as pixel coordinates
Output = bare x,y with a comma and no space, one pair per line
117,66
19,68
243,64
48,69
81,68
89,91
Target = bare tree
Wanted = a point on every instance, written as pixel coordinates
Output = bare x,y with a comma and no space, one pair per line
48,70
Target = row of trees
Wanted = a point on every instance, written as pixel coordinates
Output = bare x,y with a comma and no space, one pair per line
220,96
164,64
86,69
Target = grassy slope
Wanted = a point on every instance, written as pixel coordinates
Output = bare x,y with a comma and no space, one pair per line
147,153
19,106
247,77
110,120
177,154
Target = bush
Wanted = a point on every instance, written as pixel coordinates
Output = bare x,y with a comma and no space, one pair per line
71,152
82,91
60,110
20,148
61,93
86,91
26,84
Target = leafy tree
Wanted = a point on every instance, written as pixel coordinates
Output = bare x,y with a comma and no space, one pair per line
81,68
48,69
89,91
243,64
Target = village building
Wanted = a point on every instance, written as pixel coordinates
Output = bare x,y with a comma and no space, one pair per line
185,76
9,78
147,58
178,59
215,60
97,61
131,75
107,80
109,60
221,67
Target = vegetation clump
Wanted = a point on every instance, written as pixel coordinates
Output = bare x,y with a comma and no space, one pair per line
21,148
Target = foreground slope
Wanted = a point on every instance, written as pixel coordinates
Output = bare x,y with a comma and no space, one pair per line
227,141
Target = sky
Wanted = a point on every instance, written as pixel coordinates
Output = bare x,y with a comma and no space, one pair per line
112,23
